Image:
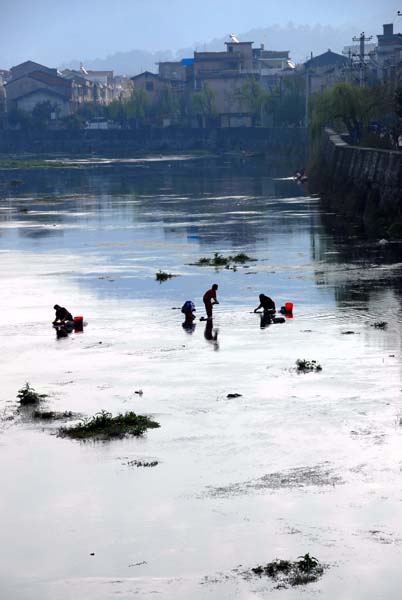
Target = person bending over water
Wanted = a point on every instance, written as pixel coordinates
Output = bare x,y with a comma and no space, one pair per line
207,299
266,303
62,315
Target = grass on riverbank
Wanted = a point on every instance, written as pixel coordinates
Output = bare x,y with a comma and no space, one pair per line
104,426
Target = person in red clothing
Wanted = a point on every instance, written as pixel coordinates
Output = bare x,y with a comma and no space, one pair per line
207,299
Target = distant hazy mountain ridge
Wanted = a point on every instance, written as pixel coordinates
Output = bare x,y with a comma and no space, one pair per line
301,40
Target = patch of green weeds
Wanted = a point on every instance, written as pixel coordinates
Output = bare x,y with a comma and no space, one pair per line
291,573
307,366
104,425
27,395
163,276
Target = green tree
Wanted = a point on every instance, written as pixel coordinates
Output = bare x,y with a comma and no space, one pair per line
253,98
138,108
167,105
203,105
346,106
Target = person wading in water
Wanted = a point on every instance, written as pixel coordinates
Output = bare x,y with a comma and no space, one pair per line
207,299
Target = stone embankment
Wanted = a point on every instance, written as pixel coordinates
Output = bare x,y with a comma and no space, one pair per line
360,182
283,141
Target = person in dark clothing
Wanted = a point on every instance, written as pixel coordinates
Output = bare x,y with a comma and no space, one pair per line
62,315
266,303
188,309
207,299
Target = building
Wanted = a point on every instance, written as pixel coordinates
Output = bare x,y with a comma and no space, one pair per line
217,78
325,70
388,52
82,90
103,82
31,84
150,83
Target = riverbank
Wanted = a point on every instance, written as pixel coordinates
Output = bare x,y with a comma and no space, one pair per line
361,182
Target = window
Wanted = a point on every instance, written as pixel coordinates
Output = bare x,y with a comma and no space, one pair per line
149,86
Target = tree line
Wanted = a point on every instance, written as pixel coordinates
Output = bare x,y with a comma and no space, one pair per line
280,105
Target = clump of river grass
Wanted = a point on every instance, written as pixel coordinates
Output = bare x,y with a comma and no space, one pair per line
103,425
163,276
307,366
218,260
28,396
291,573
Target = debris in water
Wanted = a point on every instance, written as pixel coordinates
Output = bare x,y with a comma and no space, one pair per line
139,392
234,396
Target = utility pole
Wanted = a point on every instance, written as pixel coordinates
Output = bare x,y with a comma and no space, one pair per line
362,39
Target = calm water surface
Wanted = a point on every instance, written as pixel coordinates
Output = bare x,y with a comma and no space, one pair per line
298,463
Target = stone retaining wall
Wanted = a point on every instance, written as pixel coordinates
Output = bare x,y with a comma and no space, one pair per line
366,182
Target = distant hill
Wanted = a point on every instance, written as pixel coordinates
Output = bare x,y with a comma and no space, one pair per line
301,40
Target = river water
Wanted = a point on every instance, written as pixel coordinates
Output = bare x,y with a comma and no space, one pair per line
298,463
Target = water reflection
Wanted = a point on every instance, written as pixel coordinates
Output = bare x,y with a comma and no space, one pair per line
211,333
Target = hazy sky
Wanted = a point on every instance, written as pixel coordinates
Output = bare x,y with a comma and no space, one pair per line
55,31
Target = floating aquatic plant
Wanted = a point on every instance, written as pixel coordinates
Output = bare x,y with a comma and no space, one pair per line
218,260
380,325
50,415
104,425
27,395
307,366
163,276
285,572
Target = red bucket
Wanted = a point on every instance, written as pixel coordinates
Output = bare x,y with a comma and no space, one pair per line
289,307
78,324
